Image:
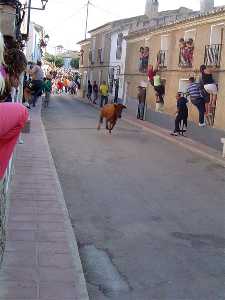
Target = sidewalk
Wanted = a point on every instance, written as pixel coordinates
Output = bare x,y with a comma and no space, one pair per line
210,137
41,259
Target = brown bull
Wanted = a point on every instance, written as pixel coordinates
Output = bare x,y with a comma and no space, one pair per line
110,112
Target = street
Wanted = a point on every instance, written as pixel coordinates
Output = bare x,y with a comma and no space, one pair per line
149,213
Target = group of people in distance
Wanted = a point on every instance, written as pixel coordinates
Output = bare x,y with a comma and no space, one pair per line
96,91
66,84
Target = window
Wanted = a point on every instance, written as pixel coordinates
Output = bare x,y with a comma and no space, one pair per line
214,50
183,86
216,36
190,34
162,58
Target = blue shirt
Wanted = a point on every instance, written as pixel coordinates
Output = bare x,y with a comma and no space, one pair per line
194,90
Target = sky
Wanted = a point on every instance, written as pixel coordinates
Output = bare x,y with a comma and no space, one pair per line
64,20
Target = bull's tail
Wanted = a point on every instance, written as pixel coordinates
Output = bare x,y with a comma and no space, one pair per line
100,122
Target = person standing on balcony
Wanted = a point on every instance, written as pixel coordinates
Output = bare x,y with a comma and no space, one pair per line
210,87
194,91
104,91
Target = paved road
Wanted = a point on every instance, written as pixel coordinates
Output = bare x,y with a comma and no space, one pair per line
155,210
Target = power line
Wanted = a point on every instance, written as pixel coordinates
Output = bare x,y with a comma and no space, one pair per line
105,10
87,16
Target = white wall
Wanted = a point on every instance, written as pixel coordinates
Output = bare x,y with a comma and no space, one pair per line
121,62
32,50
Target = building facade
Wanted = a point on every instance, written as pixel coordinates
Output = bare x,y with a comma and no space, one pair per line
167,45
33,49
108,45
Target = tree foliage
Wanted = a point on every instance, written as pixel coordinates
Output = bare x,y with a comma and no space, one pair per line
75,63
49,58
59,62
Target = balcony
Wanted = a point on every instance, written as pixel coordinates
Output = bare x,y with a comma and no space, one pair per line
162,59
186,57
213,55
91,57
100,56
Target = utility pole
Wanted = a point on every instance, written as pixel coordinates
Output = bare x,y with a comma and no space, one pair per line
28,18
87,15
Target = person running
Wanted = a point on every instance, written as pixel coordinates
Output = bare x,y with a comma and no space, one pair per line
104,92
47,88
66,84
60,86
181,115
95,91
194,91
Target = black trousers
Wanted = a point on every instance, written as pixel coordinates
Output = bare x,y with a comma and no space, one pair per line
37,86
179,119
200,104
104,101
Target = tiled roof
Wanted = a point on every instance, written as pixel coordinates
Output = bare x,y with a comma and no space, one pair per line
83,41
182,19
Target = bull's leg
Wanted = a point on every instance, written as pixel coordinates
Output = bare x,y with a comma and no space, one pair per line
107,125
100,122
113,124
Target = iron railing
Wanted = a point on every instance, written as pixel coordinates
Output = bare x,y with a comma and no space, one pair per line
186,57
100,56
4,204
213,55
92,57
162,59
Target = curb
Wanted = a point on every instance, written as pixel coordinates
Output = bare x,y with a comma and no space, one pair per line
192,146
83,293
196,148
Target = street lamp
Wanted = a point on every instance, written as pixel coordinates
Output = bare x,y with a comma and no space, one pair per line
44,3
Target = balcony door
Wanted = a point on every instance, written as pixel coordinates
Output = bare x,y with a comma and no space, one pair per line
213,51
216,37
163,54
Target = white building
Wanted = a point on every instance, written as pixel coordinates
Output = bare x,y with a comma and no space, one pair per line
33,50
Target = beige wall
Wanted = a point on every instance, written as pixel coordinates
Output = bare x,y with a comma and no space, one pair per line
174,73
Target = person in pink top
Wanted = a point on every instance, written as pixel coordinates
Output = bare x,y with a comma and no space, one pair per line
13,117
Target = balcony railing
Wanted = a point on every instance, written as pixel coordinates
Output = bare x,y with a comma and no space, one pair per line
100,56
186,57
213,55
162,58
91,57
4,191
